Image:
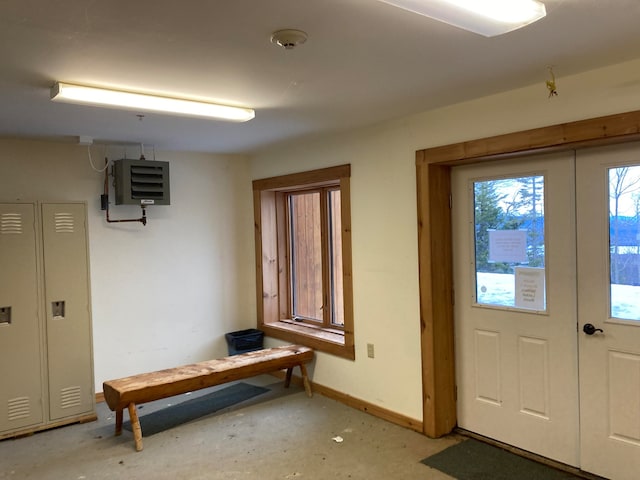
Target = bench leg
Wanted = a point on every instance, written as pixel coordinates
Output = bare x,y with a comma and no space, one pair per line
118,422
305,380
135,426
287,380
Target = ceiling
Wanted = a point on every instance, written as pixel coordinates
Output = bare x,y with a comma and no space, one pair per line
364,62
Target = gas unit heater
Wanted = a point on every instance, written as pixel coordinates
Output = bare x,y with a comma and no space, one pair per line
141,182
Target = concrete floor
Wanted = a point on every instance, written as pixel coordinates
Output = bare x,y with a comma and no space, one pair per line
280,435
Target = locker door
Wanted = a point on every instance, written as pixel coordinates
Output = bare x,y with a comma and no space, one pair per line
20,361
67,310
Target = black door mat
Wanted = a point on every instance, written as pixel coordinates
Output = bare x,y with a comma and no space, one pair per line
475,460
195,408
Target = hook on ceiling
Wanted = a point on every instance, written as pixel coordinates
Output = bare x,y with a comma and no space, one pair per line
551,83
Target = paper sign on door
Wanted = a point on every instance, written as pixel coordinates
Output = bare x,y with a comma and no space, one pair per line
530,292
508,246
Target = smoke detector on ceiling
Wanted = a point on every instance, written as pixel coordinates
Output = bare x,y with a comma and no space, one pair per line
288,39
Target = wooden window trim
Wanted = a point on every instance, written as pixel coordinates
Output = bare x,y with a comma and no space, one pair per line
435,255
272,290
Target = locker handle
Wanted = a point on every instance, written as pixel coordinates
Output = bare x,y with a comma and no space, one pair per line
57,309
5,315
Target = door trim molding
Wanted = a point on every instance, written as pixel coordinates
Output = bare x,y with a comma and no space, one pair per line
433,176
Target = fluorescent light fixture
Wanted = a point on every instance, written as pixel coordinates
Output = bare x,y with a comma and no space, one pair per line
65,92
485,17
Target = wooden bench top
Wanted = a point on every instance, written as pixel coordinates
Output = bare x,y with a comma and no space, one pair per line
147,387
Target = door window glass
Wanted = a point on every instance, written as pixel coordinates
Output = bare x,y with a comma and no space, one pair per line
509,242
624,242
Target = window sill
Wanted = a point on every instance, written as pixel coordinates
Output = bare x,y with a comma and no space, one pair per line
324,340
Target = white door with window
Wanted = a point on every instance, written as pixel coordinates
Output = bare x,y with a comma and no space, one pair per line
609,309
515,296
547,305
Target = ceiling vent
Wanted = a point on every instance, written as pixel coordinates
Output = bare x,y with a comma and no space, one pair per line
141,182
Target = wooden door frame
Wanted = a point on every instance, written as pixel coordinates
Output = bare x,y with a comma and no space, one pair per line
435,253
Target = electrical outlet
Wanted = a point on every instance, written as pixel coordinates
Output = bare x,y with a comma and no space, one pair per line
370,351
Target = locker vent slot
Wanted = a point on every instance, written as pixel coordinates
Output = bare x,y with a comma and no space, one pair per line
19,408
141,182
10,223
70,397
64,223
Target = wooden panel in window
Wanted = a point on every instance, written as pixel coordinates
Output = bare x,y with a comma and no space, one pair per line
306,256
335,247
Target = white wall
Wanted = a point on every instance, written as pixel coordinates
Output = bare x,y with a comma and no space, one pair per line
384,229
163,294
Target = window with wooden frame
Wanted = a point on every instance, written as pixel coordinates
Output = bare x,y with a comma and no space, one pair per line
303,252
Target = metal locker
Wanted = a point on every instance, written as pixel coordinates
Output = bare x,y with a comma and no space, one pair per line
46,360
67,310
21,401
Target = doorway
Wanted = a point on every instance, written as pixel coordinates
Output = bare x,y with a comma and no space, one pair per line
433,172
546,272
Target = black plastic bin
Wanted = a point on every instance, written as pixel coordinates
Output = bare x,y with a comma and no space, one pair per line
244,341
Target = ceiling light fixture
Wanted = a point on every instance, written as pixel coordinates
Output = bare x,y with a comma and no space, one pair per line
485,17
79,94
